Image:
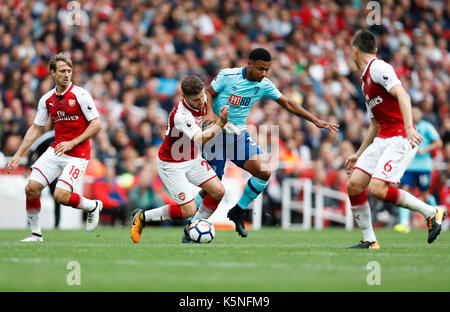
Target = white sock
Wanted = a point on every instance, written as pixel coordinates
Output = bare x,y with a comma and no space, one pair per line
411,202
364,220
158,214
203,213
87,204
33,221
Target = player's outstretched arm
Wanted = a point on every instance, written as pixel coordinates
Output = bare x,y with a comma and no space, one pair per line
296,109
94,127
32,134
404,101
201,137
372,132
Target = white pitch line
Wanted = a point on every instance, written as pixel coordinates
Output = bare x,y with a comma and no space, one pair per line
212,264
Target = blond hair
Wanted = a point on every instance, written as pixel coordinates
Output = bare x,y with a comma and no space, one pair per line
60,57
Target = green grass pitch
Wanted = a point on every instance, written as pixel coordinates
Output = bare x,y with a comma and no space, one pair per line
269,260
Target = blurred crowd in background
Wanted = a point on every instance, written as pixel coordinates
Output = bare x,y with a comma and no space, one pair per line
131,56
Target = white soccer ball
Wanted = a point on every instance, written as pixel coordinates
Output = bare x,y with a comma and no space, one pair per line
202,231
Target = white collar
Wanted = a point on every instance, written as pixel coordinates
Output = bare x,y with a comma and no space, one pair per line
64,90
189,106
367,66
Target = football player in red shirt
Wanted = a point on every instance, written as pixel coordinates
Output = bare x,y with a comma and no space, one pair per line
389,146
180,164
76,120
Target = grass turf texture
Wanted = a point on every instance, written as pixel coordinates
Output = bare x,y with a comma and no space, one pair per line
268,260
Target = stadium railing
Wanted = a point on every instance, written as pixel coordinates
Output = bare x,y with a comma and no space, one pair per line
310,205
322,214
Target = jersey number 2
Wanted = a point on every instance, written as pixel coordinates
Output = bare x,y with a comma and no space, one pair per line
205,163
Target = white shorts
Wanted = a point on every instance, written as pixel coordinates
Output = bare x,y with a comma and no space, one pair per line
49,166
179,176
387,159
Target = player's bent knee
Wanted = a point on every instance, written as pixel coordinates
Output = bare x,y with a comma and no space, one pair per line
188,210
353,187
218,193
213,188
378,189
61,196
31,191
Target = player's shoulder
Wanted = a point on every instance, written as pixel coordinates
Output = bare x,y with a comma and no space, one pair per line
228,76
79,91
47,95
379,65
231,74
383,73
181,113
231,71
266,82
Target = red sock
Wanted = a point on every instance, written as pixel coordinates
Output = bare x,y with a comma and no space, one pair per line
74,200
33,204
210,202
358,200
175,212
392,195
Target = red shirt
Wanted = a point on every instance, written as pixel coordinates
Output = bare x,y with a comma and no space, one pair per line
182,125
71,113
378,78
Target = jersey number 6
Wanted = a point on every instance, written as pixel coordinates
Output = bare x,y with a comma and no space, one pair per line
387,166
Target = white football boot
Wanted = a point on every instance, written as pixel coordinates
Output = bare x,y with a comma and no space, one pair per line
33,238
93,216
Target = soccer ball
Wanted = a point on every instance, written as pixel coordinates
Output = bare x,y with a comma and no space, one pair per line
202,231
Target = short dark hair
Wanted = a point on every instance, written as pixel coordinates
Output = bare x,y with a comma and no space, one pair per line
366,41
191,85
260,54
